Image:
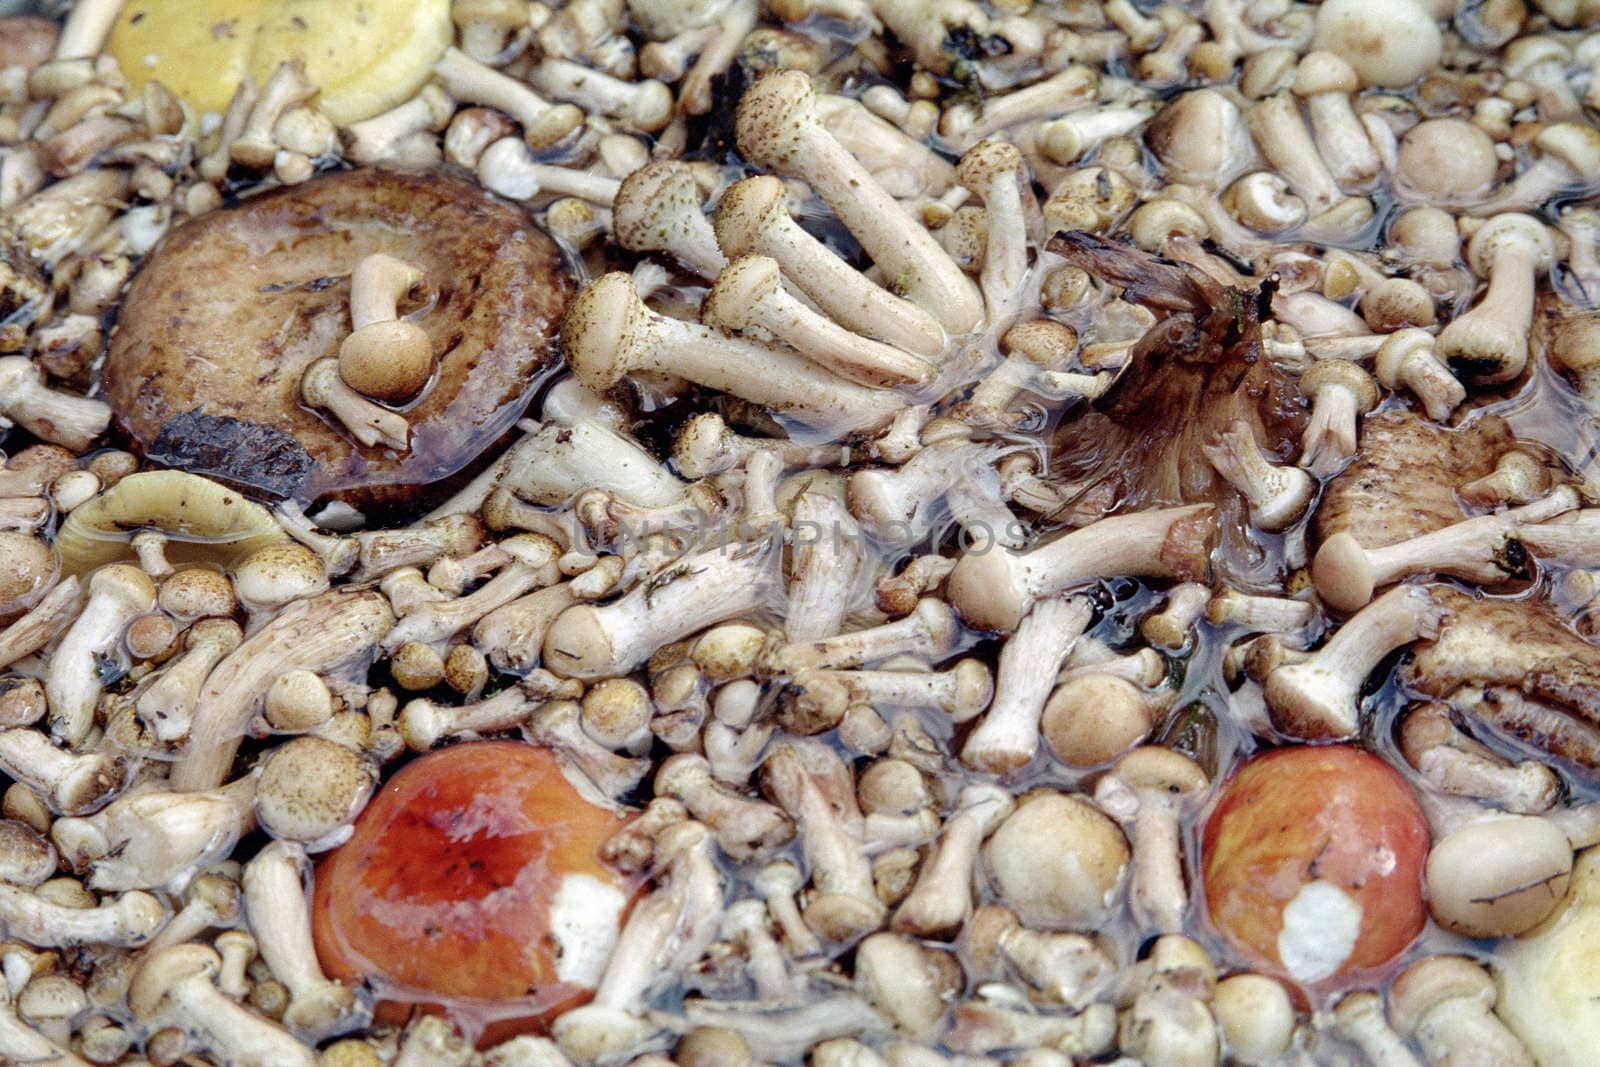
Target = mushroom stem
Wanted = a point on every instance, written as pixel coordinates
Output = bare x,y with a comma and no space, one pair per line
1406,359
320,634
1489,344
1316,700
748,292
71,421
1283,138
173,987
962,691
1152,787
507,167
753,218
1277,495
1262,614
588,641
777,127
1447,1004
993,590
275,900
1359,1019
86,29
825,560
49,617
125,922
981,1027
938,905
469,81
993,170
1008,736
746,829
645,105
367,422
964,125
1455,763
1480,549
931,630
21,1043
1566,154
532,566
75,680
609,334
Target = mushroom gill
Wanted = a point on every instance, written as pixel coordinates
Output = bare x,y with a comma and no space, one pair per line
1198,370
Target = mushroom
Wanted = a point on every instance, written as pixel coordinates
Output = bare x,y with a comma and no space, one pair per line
530,565
1277,495
745,829
1057,861
1489,344
275,901
310,790
752,218
993,170
1389,44
50,415
644,105
1340,392
1456,763
1007,737
173,986
385,357
69,784
931,630
1406,358
166,705
941,900
994,590
1094,716
48,618
126,921
777,127
610,334
1256,1017
1151,787
75,681
910,983
1318,699
1447,1004
1359,1019
1568,154
1499,876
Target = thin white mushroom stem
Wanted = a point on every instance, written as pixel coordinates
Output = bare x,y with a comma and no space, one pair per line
706,445
826,557
1262,614
48,618
1566,154
753,218
1282,135
964,125
745,923
736,23
645,105
666,932
938,905
1326,83
1277,495
702,590
126,921
68,784
1008,736
749,292
993,170
1454,762
1489,344
810,782
931,630
896,504
1359,1019
1340,391
560,459
777,127
1570,541
746,828
74,681
469,81
609,334
1406,359
962,691
71,421
1153,787
388,135
532,566
280,917
506,167
1479,549
369,423
1317,699
1063,140
423,723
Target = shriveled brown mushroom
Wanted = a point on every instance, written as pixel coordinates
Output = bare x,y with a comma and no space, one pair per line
212,385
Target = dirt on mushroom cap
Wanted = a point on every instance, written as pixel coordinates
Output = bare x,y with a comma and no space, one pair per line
217,328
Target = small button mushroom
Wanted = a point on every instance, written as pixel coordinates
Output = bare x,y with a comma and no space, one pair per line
1277,495
1256,1016
489,843
385,357
173,986
1312,862
416,667
276,575
1389,43
1341,391
1058,862
1446,162
1092,718
1447,1004
76,674
1406,359
1153,788
28,568
311,789
1498,877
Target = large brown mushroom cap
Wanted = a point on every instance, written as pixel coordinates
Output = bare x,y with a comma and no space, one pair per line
219,325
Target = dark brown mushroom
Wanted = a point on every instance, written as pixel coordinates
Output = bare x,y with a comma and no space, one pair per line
204,372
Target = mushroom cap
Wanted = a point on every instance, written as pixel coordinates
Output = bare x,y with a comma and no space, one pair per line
1256,1015
577,643
1342,573
164,968
1521,56
651,203
28,567
1263,201
1397,351
1547,977
1388,43
1058,862
197,593
1046,342
388,361
1343,374
773,114
1324,72
1091,719
742,284
1499,877
989,590
1198,137
1577,144
1156,768
745,210
599,336
729,651
986,160
1448,160
1510,230
311,787
1430,982
277,574
126,584
283,257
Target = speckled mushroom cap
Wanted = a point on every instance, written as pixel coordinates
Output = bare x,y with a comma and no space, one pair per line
217,328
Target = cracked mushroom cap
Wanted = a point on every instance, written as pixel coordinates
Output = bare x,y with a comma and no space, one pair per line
212,386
